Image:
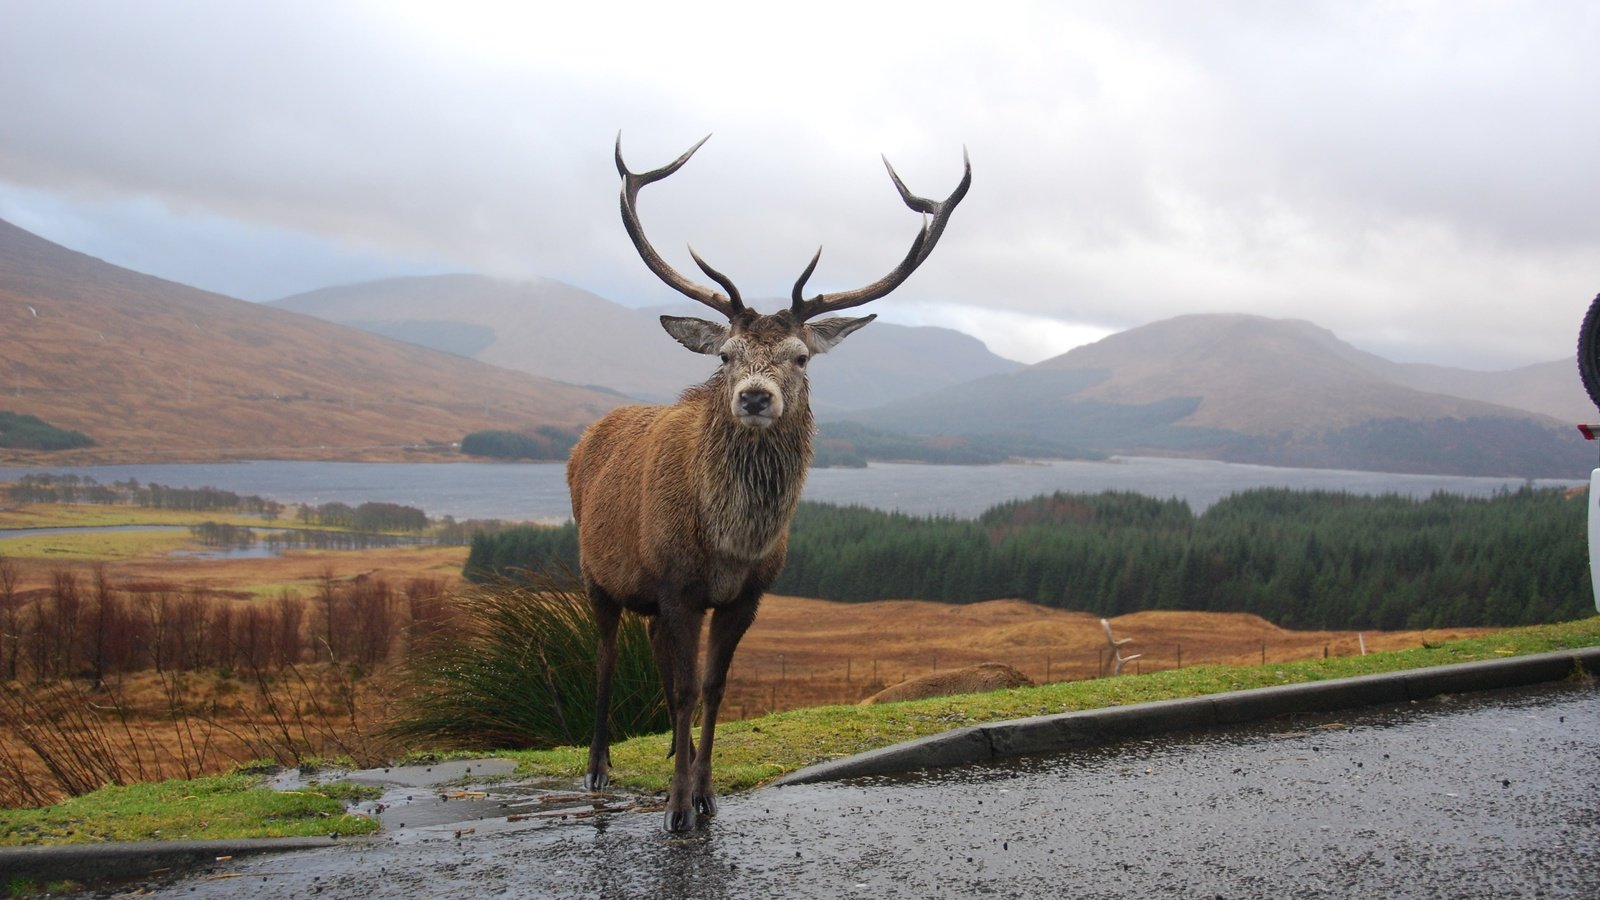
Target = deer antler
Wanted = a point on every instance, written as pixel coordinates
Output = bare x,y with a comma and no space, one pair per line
920,248
729,304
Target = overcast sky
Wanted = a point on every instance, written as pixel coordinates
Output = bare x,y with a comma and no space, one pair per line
1421,178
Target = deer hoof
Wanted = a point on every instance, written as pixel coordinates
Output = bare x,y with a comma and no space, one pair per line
705,804
596,781
678,820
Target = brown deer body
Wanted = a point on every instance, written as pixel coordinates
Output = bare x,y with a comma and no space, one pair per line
684,510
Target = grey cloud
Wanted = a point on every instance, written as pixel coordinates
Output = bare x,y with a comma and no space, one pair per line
1417,175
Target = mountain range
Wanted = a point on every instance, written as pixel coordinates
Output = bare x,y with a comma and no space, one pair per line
156,370
548,328
1273,391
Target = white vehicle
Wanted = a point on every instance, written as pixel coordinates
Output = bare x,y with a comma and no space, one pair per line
1589,371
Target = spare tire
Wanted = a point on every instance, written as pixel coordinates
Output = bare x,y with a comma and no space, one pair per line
1589,352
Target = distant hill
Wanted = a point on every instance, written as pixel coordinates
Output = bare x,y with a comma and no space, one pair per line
552,329
538,326
1281,392
151,369
1551,388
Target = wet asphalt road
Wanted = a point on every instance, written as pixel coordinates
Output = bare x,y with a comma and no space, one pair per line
1496,795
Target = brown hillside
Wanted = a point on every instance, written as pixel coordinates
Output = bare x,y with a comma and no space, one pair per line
1264,376
1552,388
156,370
803,652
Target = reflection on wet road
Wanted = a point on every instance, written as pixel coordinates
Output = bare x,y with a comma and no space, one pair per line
1493,796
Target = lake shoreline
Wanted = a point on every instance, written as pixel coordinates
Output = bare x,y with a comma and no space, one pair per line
537,491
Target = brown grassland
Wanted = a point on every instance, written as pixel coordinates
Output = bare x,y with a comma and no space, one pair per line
816,652
804,652
800,653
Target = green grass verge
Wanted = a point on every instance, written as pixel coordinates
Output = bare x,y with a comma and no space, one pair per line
757,750
224,806
748,753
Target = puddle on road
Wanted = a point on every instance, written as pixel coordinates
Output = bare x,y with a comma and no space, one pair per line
459,797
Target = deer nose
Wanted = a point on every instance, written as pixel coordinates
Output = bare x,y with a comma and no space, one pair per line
754,403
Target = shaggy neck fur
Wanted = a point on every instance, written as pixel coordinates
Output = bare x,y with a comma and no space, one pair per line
749,479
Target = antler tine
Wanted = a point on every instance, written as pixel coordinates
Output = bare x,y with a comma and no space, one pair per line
797,302
921,247
719,278
730,304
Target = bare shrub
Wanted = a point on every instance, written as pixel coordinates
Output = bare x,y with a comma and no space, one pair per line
429,615
10,620
228,681
287,642
369,608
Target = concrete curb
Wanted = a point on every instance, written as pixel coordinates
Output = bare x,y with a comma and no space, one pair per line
1068,731
94,864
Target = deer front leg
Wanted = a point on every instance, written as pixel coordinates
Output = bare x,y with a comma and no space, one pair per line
728,625
677,648
607,616
664,665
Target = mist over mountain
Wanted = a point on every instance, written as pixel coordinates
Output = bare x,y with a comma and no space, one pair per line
552,329
1273,391
151,369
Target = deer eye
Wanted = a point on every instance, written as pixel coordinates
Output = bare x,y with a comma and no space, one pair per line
724,357
801,360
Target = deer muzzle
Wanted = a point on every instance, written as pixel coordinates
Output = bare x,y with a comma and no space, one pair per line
757,402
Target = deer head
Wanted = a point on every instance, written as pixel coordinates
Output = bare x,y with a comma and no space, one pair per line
764,357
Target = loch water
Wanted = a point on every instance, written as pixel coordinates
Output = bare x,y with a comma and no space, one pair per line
538,491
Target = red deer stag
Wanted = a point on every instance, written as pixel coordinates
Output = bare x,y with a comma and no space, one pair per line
685,509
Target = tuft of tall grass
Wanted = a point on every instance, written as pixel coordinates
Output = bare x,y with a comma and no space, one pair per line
520,672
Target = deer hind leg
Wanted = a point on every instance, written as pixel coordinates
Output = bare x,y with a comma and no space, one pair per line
675,636
607,616
728,625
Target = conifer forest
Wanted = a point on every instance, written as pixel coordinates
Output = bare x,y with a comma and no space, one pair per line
1301,559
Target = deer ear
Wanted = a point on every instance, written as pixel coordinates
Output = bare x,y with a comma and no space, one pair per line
696,334
823,334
